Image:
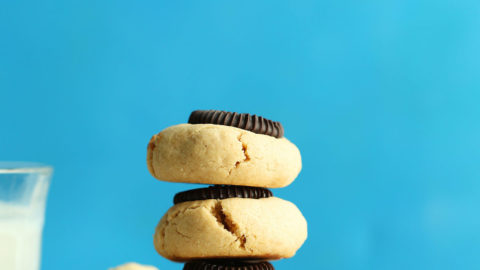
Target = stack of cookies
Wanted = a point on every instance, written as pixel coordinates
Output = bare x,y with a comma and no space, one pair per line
236,223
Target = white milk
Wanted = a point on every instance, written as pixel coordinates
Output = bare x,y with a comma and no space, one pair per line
20,236
23,193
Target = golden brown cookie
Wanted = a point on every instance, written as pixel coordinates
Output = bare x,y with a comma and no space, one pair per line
267,229
222,155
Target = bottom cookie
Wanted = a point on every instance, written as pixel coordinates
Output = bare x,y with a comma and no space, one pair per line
227,265
252,229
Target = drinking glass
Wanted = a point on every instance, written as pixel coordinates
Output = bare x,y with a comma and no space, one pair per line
23,194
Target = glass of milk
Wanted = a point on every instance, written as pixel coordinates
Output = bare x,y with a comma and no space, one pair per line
23,194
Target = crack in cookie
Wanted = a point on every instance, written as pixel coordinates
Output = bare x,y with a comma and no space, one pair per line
228,224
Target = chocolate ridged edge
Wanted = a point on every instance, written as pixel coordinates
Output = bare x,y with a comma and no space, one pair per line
253,123
227,265
222,192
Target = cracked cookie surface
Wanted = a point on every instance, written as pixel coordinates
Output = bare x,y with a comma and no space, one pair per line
222,155
268,228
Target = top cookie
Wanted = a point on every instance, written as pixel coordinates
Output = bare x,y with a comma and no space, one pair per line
222,155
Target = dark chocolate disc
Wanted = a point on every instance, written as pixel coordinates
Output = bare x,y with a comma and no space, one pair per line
227,265
222,192
253,123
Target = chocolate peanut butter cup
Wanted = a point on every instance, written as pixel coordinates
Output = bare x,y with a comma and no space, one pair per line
253,123
222,192
227,265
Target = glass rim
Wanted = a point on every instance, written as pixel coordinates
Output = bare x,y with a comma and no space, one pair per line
7,167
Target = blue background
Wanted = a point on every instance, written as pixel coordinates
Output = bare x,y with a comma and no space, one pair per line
381,97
